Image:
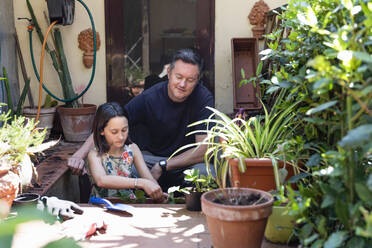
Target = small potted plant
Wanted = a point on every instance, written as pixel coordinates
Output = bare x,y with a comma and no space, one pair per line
18,140
199,185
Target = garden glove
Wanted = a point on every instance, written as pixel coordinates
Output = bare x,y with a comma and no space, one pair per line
61,208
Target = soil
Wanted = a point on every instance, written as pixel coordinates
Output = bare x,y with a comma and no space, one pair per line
40,156
240,200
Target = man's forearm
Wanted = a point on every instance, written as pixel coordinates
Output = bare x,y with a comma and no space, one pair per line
187,158
85,148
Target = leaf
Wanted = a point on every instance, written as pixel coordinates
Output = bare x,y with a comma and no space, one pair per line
241,165
265,52
259,68
364,193
296,178
342,211
355,242
336,239
314,160
42,147
285,84
283,173
62,243
306,230
369,182
242,73
347,3
363,56
357,136
272,89
311,239
317,244
327,201
321,107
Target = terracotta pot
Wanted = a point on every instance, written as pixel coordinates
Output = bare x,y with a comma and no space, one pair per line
45,119
236,226
77,123
9,186
258,31
259,173
279,226
193,202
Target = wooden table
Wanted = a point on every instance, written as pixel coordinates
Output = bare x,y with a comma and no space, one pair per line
153,225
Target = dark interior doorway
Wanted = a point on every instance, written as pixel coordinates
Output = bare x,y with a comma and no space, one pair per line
141,36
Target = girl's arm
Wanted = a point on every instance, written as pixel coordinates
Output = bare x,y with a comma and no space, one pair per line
118,182
140,164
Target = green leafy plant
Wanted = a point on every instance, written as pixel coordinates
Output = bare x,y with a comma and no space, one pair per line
199,183
18,140
326,64
134,75
26,214
140,196
258,137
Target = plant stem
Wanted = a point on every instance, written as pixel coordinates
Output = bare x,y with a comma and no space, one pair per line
349,153
8,93
66,73
22,98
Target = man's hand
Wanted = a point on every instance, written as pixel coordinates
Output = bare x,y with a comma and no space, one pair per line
62,208
76,164
156,171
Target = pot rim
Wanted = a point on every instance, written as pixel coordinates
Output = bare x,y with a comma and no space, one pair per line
250,190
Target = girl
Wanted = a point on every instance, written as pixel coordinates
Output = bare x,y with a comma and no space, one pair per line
111,162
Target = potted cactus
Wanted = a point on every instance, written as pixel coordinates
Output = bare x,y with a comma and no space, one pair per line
76,119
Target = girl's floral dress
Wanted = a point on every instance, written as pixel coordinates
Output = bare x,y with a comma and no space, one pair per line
117,166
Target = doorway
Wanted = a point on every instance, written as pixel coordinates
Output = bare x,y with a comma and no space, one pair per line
142,35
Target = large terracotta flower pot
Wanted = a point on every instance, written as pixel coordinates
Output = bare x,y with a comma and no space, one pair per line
9,186
77,123
45,119
259,173
236,226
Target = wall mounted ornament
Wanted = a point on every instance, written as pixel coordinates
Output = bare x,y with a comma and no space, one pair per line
257,18
85,39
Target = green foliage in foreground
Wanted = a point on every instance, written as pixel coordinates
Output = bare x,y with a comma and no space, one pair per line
9,225
326,63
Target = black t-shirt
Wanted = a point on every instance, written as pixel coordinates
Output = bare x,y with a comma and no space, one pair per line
159,125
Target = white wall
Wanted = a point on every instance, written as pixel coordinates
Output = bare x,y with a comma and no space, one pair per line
231,22
79,74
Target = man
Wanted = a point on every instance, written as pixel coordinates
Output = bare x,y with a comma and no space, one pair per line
159,119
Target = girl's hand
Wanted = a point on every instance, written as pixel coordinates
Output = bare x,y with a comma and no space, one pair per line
152,189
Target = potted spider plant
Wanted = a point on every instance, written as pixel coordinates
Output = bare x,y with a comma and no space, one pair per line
248,146
237,145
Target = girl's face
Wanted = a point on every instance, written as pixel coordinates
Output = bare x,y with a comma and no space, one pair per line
116,132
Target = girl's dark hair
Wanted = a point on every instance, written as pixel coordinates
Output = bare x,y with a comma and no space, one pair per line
104,113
